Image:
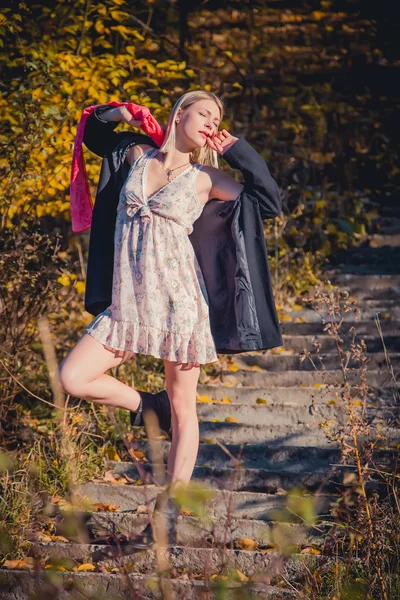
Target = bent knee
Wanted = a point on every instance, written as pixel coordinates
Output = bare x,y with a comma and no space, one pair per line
71,381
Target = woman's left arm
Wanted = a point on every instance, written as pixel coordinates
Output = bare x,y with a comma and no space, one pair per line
258,182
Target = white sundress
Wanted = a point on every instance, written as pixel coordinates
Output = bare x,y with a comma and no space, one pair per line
159,300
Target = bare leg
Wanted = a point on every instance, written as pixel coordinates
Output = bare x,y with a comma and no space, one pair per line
82,374
181,383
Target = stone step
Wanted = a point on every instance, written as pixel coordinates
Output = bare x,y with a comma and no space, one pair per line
193,532
391,268
389,328
292,415
17,584
270,379
367,313
368,254
379,240
239,505
366,285
287,396
275,362
191,560
261,456
249,479
297,343
304,435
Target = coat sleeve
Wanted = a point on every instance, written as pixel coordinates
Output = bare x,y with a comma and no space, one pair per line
99,135
259,185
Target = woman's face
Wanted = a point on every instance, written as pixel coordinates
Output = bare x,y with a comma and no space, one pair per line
198,121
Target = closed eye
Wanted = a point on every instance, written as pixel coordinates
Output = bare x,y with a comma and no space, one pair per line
216,124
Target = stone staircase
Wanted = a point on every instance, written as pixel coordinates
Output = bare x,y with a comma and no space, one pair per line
262,452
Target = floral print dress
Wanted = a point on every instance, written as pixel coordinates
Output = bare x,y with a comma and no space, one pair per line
159,300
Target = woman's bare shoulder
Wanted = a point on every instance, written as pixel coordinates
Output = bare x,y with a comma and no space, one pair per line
135,151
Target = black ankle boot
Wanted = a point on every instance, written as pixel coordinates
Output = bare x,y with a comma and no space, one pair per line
160,404
165,516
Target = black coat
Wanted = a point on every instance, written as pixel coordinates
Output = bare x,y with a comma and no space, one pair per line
227,238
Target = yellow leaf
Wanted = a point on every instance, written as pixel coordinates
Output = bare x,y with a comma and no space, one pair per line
233,368
261,401
64,280
203,399
226,400
231,420
246,544
85,567
255,368
357,402
111,453
80,286
241,576
139,455
317,385
310,550
297,307
101,507
331,402
285,318
56,567
59,538
18,564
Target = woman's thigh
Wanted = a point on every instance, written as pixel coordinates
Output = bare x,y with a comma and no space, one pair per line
89,359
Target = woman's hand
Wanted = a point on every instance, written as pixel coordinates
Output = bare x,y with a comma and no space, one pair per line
221,141
127,117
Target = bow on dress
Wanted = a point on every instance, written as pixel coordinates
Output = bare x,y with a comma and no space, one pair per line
81,201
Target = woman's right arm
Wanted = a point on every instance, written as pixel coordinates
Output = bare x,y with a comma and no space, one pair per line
99,135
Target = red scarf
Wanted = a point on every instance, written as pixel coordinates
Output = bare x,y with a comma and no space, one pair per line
81,201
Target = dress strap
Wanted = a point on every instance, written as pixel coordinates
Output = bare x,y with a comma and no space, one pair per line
139,158
192,178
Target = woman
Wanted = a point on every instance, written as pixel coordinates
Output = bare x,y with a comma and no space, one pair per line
159,301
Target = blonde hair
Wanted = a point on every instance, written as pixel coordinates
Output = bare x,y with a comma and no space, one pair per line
204,155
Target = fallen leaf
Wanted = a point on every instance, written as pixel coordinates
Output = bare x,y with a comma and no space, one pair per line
226,400
246,544
203,399
231,420
111,453
310,550
241,576
285,318
59,538
233,368
261,401
254,368
44,537
19,564
56,567
85,567
229,380
101,507
139,455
